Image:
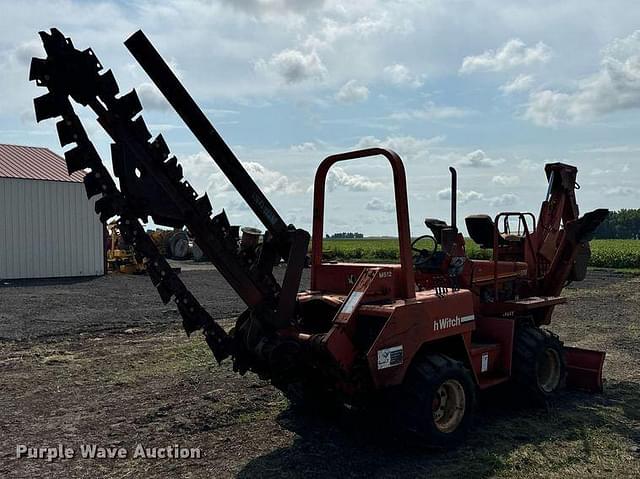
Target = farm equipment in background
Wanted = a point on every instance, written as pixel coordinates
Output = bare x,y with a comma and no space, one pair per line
174,244
121,257
423,336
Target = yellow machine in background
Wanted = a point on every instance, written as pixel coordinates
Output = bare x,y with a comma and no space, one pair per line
121,257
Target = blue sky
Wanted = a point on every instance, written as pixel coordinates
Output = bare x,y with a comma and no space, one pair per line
495,88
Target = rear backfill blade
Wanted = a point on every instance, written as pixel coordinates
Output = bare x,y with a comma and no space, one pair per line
584,368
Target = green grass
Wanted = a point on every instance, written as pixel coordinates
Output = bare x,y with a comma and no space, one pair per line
620,254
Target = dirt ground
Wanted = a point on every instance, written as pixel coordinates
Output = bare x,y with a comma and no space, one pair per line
103,362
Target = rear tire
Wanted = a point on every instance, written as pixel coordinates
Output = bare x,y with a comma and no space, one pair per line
437,400
539,367
179,245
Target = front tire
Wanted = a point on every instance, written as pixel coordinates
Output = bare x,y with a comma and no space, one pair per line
539,367
437,400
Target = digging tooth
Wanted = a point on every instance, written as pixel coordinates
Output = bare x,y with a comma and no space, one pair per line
221,220
174,173
48,106
107,85
68,129
77,159
217,340
106,207
128,106
54,41
117,159
165,292
93,185
91,60
173,169
140,129
154,275
204,205
178,173
160,149
39,71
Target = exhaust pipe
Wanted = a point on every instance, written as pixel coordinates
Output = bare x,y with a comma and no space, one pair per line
454,197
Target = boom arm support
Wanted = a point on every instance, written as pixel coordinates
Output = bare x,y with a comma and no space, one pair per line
178,97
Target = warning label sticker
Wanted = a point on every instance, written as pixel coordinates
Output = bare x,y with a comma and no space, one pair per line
390,357
484,366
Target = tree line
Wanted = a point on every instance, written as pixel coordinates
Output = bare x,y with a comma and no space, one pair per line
623,224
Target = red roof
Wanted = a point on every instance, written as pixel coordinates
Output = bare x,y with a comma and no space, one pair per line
34,163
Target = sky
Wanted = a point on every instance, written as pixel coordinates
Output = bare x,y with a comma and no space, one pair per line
494,88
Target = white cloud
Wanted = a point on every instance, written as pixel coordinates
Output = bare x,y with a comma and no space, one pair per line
528,165
518,84
24,52
151,98
613,149
600,172
204,175
463,196
398,74
337,177
293,66
376,204
302,147
513,53
479,159
431,112
352,92
615,87
408,147
271,181
507,199
504,180
621,191
262,7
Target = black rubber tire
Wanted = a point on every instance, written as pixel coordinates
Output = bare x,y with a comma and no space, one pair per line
413,412
532,350
179,245
197,253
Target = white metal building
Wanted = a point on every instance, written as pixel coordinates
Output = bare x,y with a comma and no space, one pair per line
47,227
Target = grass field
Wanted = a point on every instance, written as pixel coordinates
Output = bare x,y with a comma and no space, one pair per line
605,253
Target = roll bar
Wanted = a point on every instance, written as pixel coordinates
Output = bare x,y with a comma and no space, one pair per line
402,212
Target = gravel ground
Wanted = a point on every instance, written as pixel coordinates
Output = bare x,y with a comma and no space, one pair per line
102,361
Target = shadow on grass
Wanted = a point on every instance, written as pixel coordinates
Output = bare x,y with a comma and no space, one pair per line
351,447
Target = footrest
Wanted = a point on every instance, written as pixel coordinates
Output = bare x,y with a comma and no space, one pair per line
524,304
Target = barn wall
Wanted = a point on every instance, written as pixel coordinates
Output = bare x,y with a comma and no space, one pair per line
48,229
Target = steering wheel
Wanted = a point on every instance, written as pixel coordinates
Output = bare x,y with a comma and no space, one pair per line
425,253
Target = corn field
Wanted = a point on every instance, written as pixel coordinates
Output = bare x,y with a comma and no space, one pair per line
605,253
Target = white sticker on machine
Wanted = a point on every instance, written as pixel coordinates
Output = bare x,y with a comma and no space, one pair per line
390,357
352,302
484,367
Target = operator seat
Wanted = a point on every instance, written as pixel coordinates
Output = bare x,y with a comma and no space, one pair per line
436,226
481,230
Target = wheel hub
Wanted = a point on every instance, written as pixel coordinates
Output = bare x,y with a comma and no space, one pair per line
448,406
548,371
